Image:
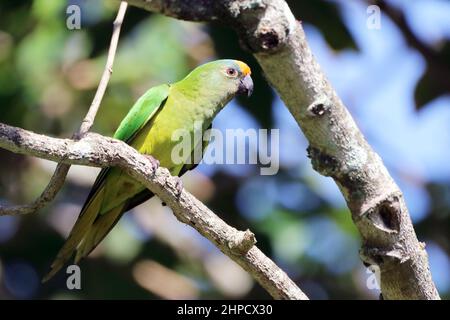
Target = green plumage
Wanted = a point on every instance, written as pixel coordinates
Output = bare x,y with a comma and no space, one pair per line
148,127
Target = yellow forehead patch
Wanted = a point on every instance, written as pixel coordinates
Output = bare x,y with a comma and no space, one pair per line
244,67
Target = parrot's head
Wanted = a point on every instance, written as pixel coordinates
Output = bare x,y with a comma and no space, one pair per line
238,73
222,78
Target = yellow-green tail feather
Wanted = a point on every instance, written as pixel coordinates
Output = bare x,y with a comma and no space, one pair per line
98,231
79,231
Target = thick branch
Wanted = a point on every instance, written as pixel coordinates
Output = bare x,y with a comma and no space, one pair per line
59,176
337,147
96,150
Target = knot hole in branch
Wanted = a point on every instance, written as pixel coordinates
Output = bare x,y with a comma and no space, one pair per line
269,39
323,163
319,107
386,215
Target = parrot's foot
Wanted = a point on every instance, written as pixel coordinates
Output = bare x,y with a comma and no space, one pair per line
153,161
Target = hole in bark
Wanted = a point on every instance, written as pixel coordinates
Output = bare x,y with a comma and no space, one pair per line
318,109
269,39
322,162
389,216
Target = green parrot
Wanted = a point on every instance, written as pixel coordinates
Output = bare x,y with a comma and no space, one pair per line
148,127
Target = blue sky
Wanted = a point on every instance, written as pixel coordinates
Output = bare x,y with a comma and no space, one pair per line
377,85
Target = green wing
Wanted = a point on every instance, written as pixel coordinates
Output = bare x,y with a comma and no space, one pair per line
142,111
146,194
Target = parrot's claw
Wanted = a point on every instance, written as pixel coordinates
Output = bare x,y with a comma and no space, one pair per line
153,161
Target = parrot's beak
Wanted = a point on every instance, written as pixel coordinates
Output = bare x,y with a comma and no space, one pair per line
246,86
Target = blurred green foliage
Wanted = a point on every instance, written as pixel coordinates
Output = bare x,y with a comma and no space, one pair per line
48,76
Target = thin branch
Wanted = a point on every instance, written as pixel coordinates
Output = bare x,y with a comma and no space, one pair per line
337,148
88,121
95,150
59,176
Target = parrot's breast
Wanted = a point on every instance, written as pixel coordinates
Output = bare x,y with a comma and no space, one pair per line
175,123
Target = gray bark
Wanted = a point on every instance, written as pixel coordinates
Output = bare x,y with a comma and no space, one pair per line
337,148
96,150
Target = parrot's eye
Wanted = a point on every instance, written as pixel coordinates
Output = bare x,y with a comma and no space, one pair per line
231,72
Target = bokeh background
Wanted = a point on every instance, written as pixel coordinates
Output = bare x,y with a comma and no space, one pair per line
394,80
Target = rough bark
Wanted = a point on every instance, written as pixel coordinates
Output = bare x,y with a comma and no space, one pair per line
337,148
96,150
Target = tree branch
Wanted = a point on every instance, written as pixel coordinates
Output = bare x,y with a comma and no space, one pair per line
337,148
95,150
59,176
88,120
